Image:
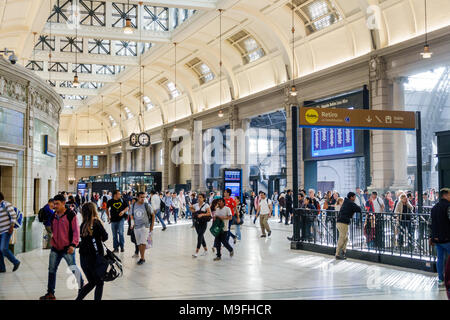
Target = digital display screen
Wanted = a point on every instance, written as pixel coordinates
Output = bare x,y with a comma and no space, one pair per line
235,188
81,186
332,141
232,175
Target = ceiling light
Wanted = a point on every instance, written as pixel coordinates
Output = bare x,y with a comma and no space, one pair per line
75,83
293,92
426,54
128,29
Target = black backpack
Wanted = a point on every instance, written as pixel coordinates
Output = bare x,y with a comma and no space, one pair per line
162,206
42,216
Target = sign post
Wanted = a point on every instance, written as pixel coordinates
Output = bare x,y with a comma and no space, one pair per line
419,181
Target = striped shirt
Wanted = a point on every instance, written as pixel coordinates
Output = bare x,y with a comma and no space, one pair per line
7,216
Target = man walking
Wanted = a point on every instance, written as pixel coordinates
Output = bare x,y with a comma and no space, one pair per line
348,209
142,222
440,231
155,201
65,238
264,212
116,210
223,213
7,221
48,215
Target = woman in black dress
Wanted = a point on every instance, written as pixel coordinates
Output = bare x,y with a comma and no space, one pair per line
92,235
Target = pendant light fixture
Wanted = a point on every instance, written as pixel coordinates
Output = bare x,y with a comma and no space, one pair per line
128,29
75,82
175,125
220,115
426,54
293,91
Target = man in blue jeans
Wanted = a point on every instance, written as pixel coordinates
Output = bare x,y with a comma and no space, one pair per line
155,202
65,238
440,231
7,222
116,210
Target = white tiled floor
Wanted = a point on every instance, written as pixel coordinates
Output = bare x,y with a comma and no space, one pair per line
260,269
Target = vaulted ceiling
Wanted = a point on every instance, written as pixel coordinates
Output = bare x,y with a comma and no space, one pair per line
256,51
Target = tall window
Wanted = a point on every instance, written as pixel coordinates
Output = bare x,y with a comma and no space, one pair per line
87,161
79,161
94,161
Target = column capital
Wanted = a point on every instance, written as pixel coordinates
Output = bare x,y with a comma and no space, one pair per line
399,80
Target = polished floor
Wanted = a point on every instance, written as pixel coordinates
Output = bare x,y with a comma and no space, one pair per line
260,269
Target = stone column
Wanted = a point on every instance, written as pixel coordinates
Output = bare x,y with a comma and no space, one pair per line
140,163
109,159
289,172
123,157
381,151
400,148
197,155
128,163
166,158
245,125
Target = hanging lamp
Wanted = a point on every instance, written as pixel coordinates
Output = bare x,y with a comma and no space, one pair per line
128,29
293,90
220,114
175,125
75,82
426,54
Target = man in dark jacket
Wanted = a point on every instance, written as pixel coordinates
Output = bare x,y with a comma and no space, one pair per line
440,231
289,203
348,209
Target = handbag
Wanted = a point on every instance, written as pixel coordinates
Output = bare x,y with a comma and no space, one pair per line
217,227
101,264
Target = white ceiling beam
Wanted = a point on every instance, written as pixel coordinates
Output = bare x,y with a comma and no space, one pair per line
106,33
82,77
76,91
205,5
73,103
87,58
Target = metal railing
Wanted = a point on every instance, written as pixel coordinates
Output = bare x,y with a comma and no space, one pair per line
403,235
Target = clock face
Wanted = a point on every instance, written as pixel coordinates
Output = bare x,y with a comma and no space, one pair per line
144,139
134,140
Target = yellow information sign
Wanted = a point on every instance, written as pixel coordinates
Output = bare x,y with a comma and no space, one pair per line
357,119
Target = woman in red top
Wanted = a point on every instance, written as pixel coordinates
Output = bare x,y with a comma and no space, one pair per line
231,203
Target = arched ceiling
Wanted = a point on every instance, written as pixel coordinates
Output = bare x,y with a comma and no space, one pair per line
260,55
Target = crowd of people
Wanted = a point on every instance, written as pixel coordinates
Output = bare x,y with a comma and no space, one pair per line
141,212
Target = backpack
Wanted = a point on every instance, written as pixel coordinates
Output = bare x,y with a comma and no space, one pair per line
19,216
162,206
41,215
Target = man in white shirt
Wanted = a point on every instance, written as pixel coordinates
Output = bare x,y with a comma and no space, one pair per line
264,213
155,202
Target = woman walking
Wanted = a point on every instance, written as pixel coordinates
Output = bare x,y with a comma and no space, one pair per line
201,215
92,235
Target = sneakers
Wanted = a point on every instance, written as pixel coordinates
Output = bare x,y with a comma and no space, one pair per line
231,254
340,258
122,250
116,251
217,259
16,266
136,255
141,261
441,283
263,236
269,233
213,249
163,229
48,296
205,253
195,255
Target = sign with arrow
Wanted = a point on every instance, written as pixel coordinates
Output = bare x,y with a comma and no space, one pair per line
356,119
